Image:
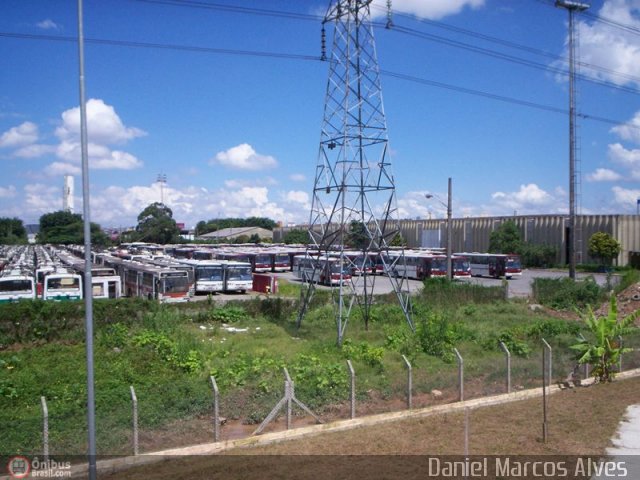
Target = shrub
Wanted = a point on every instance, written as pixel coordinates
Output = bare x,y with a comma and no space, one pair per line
566,293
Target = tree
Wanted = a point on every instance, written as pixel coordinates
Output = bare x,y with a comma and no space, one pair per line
156,225
357,236
604,350
12,231
505,239
297,235
64,227
398,241
604,247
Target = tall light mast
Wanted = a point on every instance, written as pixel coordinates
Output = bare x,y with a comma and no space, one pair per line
572,7
354,202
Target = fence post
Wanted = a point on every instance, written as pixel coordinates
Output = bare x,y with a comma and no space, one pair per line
134,401
460,375
586,365
216,411
288,393
620,358
544,395
352,374
550,366
508,354
409,382
45,429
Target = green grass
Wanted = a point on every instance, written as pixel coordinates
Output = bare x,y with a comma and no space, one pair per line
168,353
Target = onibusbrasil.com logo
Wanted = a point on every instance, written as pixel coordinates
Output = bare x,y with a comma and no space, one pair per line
23,467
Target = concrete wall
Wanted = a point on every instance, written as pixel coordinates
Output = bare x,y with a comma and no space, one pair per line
472,234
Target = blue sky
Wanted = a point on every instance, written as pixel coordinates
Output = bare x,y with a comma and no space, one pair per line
237,134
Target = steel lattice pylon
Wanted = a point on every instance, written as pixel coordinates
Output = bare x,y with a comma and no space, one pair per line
354,191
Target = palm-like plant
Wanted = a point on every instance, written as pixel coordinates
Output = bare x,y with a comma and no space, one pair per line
604,350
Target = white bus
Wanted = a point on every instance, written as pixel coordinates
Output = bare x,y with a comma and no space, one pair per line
237,276
325,270
16,286
208,275
154,282
60,286
494,264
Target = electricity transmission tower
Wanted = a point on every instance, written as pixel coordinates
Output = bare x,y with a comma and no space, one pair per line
354,203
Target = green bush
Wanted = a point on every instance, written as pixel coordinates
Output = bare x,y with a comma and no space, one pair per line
566,293
540,256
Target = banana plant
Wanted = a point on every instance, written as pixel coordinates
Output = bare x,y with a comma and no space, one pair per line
603,350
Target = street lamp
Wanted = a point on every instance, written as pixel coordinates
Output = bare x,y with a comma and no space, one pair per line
449,236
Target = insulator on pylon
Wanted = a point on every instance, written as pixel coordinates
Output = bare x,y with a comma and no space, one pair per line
389,20
323,47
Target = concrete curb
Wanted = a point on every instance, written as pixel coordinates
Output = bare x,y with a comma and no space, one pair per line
117,464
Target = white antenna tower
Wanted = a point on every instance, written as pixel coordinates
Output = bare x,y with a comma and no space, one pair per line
67,194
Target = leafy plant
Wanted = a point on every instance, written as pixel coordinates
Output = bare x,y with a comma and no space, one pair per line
604,350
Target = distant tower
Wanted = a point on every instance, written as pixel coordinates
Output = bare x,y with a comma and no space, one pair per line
67,194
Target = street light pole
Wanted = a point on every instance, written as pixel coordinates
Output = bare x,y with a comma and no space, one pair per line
449,236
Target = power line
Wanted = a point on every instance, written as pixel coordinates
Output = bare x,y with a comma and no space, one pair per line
290,56
514,45
506,57
163,46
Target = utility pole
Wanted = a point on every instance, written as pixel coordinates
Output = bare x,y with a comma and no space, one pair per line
572,7
449,238
88,289
449,235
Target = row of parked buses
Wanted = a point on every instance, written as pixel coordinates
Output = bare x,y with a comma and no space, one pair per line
414,264
24,277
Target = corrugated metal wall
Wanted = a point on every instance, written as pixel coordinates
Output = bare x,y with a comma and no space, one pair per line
472,234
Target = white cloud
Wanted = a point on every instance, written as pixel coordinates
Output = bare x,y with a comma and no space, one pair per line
626,198
56,169
297,177
603,175
8,192
100,156
629,131
104,126
34,151
432,9
48,24
243,157
614,49
298,197
528,195
24,134
626,158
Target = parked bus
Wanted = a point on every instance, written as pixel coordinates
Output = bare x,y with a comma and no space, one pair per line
281,261
15,286
325,270
495,265
208,276
237,277
153,282
59,286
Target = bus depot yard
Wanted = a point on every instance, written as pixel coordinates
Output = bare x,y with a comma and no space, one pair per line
169,351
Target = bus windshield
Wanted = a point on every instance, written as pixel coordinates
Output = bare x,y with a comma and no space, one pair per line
16,286
209,273
239,273
63,283
176,284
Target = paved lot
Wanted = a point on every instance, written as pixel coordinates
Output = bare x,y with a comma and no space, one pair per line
519,287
